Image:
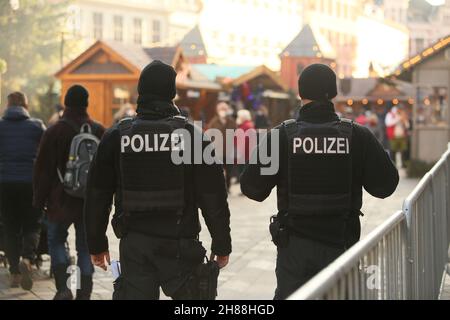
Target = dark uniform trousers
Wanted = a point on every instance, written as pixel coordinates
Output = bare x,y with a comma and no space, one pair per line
300,261
148,264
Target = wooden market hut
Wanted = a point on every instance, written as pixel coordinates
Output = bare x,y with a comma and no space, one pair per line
361,94
231,78
429,74
110,71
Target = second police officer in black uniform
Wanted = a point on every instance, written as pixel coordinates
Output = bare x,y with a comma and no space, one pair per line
325,162
156,201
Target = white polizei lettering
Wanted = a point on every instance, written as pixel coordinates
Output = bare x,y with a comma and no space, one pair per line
348,146
311,145
147,144
133,143
316,148
155,140
331,146
124,142
325,145
297,144
164,146
341,145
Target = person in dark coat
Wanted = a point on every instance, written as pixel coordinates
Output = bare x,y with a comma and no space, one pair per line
62,209
318,231
19,141
159,246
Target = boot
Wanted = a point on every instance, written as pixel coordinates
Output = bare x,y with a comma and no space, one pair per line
27,276
86,288
14,280
61,277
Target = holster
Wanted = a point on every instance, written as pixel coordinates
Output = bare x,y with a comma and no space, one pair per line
279,233
201,284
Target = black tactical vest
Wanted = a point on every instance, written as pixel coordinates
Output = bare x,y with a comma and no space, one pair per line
151,182
319,168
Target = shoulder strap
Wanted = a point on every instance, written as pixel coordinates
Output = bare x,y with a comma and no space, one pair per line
291,127
347,127
125,124
180,121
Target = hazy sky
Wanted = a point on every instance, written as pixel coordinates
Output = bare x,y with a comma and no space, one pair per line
436,2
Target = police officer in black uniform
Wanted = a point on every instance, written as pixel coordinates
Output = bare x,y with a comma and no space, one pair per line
325,162
156,201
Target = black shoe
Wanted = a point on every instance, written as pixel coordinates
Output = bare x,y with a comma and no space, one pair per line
26,271
84,293
61,276
63,295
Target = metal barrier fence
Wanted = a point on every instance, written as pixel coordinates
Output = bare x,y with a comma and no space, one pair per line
404,258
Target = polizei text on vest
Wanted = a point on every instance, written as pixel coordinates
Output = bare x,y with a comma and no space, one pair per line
321,145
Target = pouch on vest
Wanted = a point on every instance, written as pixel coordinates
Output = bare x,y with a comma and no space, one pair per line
320,168
151,182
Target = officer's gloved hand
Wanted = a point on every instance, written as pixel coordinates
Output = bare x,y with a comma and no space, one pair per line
101,260
222,261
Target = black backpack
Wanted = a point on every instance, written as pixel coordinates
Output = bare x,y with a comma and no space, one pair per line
82,150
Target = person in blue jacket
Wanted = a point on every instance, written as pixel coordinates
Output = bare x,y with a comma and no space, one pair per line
19,140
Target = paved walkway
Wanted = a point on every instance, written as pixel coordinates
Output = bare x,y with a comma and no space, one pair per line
250,274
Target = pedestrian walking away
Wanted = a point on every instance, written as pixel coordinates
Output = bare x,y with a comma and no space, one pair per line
325,161
157,201
19,140
52,192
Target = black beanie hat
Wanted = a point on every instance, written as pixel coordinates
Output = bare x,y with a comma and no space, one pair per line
157,82
317,82
76,97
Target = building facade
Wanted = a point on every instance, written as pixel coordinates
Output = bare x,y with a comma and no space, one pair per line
336,20
137,22
247,32
426,23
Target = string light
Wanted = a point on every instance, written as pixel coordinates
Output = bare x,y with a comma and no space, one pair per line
380,101
365,101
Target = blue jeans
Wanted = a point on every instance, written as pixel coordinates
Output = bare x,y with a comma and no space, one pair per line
57,238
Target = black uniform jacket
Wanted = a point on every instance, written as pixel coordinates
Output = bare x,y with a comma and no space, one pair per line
204,189
372,169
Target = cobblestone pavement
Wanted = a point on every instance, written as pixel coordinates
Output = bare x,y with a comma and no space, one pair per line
250,274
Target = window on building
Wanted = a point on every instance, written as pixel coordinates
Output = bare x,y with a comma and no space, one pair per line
420,44
98,25
137,38
118,28
156,29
